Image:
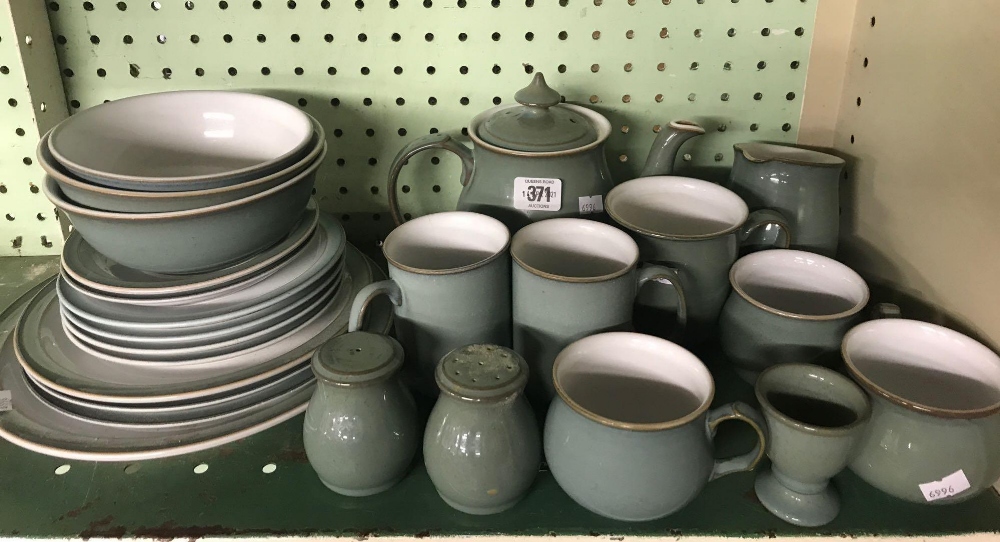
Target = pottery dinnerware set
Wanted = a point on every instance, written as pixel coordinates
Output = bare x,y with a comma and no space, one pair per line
202,296
197,281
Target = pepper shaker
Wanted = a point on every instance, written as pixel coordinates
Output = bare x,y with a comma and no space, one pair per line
482,447
361,429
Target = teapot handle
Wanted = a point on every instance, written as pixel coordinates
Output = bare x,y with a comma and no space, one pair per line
433,141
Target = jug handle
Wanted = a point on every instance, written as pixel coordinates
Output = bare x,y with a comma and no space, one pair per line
661,273
745,413
433,141
366,295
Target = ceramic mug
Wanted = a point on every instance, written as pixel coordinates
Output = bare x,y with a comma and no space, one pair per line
449,277
572,278
697,228
788,306
815,418
934,434
801,184
629,435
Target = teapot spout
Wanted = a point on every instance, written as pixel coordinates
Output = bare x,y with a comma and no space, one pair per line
664,151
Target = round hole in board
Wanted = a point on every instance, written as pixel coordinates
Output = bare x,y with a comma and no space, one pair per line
852,139
201,468
732,32
786,127
528,68
200,72
461,3
692,97
362,37
189,5
223,4
374,191
791,96
26,161
765,32
406,189
359,4
401,132
800,31
398,70
463,70
496,68
873,21
335,102
300,71
61,469
858,102
290,4
302,102
74,104
337,132
155,5
400,101
495,36
865,63
232,71
463,36
269,468
95,40
432,100
724,97
367,102
19,131
295,38
54,6
436,188
464,100
761,65
495,3
328,38
373,162
758,96
794,65
393,4
364,70
341,162
261,38
343,189
428,3
396,37
257,4
376,217
561,68
161,38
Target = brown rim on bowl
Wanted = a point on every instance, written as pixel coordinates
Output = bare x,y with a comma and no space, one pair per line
43,154
815,317
936,412
189,178
54,193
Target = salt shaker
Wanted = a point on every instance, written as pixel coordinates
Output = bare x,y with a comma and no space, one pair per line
361,429
482,447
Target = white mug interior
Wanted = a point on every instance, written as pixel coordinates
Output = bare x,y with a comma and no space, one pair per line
574,248
446,241
631,380
676,207
799,284
925,365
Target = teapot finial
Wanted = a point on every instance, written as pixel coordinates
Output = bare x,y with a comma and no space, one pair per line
664,151
537,93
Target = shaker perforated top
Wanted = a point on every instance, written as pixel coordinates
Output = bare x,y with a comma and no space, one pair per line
482,372
539,124
358,357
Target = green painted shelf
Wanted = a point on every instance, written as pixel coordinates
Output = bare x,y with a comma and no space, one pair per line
235,497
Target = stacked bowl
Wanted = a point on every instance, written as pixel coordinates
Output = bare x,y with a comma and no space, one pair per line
197,281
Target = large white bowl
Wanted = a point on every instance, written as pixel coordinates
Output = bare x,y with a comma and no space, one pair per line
185,140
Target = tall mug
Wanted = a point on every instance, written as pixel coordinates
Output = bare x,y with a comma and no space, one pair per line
572,278
449,279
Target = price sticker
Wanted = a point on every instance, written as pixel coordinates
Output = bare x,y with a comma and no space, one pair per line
537,194
949,486
5,401
591,204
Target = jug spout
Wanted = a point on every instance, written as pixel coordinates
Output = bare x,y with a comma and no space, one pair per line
664,151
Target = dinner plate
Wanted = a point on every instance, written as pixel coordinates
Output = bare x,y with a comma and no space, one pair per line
322,253
204,353
45,352
199,336
96,271
179,413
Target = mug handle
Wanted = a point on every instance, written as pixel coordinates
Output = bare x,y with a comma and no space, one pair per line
762,218
433,141
745,413
359,309
662,274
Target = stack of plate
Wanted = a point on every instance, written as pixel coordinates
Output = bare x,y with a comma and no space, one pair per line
126,361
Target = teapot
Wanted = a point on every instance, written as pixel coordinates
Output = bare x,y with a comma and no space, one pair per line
537,159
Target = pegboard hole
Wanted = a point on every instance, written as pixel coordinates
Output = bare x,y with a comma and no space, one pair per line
189,5
658,98
435,160
406,189
563,35
261,38
364,70
692,97
398,70
594,98
765,32
859,101
362,37
257,4
724,97
661,66
370,132
462,36
338,132
201,468
761,65
431,70
495,36
694,65
359,4
463,70
731,33
95,40
786,127
428,37
393,4
335,102
161,38
436,188
852,139
4,70
791,96
800,31
464,100
26,161
758,96
373,162
200,72
401,132
697,32
263,71
300,71
596,35
19,131
432,100
628,66
341,162
232,71
727,66
367,102
400,101
561,68
68,72
865,63
528,68
223,4
343,189
294,37
376,217
395,36
873,21
101,72
3,188
33,188
90,7
62,469
794,65
9,217
12,102
461,3
75,104
291,4
302,102
228,38
155,5
270,467
54,6
194,38
496,68
529,3
428,3
331,71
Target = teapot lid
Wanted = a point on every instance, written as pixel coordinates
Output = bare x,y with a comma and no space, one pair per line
539,124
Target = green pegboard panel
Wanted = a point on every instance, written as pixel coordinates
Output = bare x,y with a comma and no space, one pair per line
379,73
31,101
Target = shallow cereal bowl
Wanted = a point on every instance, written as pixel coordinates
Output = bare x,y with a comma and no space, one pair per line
193,240
184,140
131,201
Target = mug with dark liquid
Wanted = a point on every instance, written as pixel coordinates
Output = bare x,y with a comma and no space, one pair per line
629,435
788,306
815,418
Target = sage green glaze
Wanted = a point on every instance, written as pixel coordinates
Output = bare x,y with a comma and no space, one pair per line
361,429
702,260
796,488
482,448
551,311
439,310
629,470
755,334
801,184
537,138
